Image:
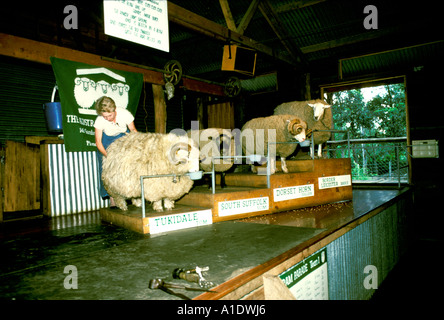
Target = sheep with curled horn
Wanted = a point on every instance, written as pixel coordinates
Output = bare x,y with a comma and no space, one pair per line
141,154
287,128
316,113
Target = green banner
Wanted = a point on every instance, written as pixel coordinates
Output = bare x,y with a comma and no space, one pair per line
80,85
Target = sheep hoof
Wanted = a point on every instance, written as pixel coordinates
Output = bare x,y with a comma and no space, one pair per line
157,205
121,204
137,202
168,204
123,208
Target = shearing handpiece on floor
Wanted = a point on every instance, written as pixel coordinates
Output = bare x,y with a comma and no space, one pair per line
193,275
164,286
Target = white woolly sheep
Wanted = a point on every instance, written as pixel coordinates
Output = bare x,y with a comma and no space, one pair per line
139,154
317,113
214,142
258,132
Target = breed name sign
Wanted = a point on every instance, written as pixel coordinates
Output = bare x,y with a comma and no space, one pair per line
228,208
334,181
295,192
308,279
180,221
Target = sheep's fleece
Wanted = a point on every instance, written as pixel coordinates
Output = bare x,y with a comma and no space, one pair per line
281,123
302,110
216,141
138,154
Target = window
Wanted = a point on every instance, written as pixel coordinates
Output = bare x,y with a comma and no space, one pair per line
375,118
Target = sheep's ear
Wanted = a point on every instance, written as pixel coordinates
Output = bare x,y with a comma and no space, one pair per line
311,104
327,106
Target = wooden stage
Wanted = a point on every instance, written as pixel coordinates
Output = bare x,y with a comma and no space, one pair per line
309,183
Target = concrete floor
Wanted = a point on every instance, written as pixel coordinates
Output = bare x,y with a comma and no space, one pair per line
115,263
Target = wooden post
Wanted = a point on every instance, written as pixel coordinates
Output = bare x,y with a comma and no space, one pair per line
160,114
307,87
2,182
200,113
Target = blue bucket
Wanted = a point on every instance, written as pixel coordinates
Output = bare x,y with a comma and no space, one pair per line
53,115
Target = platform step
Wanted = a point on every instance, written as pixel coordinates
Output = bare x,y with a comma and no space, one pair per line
246,195
181,217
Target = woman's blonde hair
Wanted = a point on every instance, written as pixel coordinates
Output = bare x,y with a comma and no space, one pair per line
105,104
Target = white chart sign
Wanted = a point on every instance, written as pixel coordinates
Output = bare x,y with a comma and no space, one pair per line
295,192
308,280
180,221
334,181
228,208
143,22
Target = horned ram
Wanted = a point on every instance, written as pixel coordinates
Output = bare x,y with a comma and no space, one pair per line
316,113
287,128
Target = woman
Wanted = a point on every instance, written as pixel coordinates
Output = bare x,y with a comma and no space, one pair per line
111,124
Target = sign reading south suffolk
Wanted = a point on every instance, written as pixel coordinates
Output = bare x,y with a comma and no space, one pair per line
142,22
80,85
233,207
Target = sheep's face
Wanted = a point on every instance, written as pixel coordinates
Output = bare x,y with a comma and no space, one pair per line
185,156
296,128
318,110
213,143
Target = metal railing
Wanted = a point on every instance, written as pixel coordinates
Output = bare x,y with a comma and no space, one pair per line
174,177
373,160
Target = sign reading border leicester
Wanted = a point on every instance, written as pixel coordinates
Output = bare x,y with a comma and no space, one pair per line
80,85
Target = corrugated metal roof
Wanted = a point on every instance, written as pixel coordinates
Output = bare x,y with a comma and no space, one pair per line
403,58
318,23
334,28
262,83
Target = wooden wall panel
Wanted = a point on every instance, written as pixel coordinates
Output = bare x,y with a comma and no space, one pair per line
22,177
221,115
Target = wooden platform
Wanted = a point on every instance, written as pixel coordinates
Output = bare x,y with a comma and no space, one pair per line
310,183
181,217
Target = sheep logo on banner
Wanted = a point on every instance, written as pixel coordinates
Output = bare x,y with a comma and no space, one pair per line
87,91
80,85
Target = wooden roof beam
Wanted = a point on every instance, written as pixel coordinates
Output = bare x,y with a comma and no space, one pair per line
31,50
231,24
248,16
227,14
202,25
295,5
275,23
